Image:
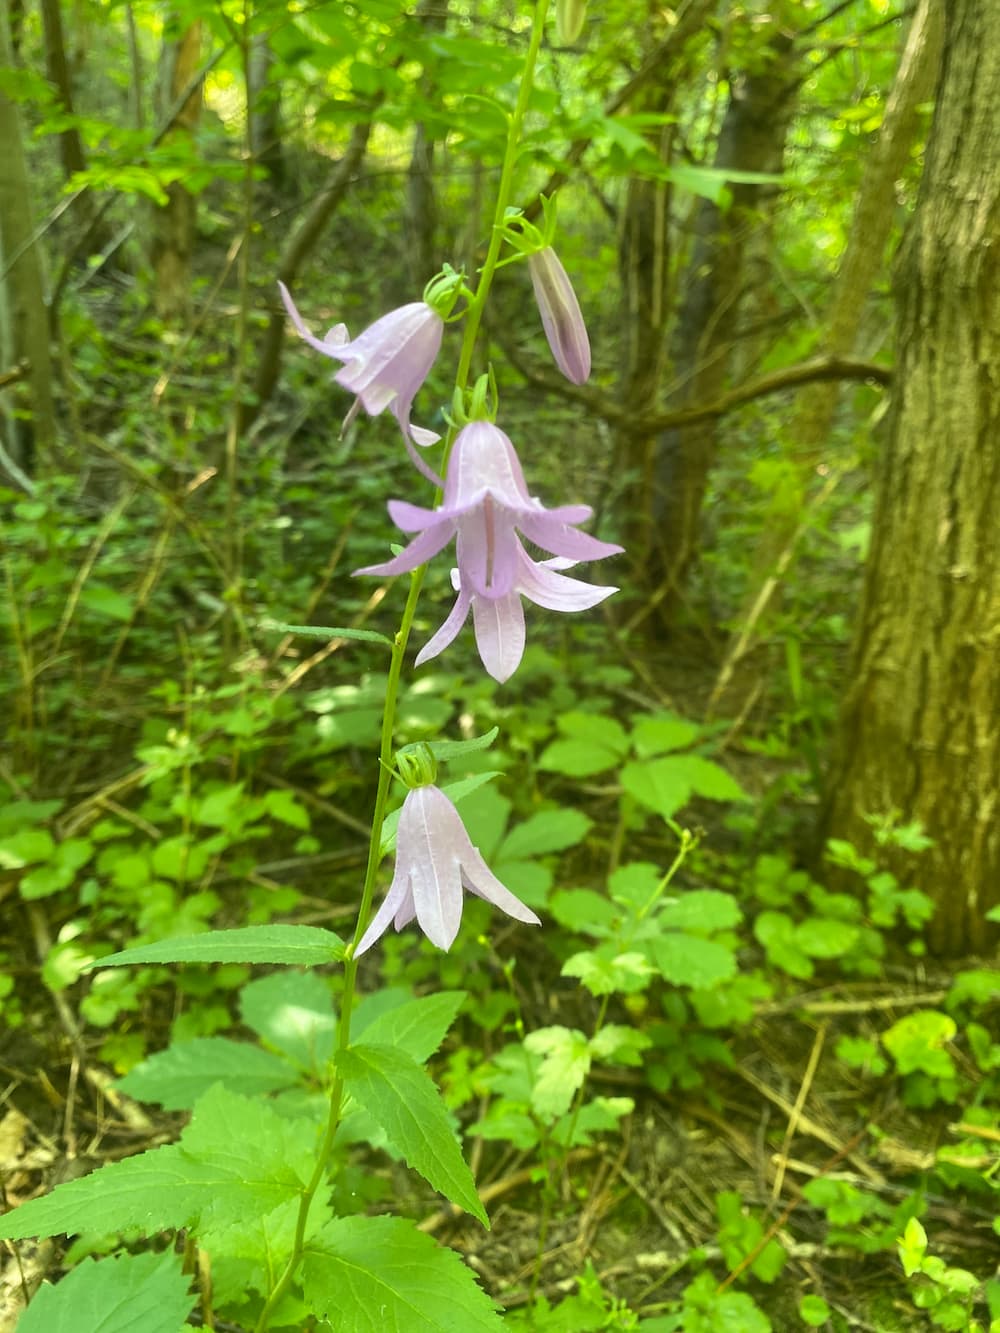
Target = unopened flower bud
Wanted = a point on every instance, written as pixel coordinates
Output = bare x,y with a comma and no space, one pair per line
570,16
561,317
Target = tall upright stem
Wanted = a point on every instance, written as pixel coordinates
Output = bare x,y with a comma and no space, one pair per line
478,303
470,333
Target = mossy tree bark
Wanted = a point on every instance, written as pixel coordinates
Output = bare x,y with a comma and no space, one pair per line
714,286
920,728
809,436
174,224
24,314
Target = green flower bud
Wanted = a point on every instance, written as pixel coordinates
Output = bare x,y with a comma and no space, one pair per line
570,16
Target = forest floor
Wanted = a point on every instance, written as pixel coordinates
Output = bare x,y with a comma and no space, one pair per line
642,1210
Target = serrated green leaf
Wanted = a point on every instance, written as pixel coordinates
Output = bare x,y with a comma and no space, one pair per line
417,1027
584,911
662,733
709,779
179,858
307,946
619,1044
635,884
544,832
915,1042
700,910
293,1012
18,816
658,784
158,1189
594,727
236,1157
402,1098
266,1239
530,880
106,601
27,847
177,1077
578,757
597,1116
814,1311
505,1122
777,933
282,805
485,814
43,882
825,937
382,1275
686,960
448,750
668,783
120,1294
565,1064
603,975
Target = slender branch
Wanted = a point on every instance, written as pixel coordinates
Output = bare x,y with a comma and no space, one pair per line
164,129
300,244
19,372
777,381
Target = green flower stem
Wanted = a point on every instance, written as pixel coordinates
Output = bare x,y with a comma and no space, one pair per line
470,333
689,841
478,304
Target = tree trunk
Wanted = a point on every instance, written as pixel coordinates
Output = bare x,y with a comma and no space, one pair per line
24,319
421,197
752,138
70,146
90,227
296,251
813,419
644,268
920,728
174,223
646,279
264,97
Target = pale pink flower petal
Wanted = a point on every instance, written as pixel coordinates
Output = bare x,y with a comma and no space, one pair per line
499,625
448,631
485,504
435,860
386,365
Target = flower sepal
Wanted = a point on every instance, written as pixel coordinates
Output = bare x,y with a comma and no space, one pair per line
444,289
417,765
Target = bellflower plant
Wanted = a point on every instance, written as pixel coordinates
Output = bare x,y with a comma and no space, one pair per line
244,1168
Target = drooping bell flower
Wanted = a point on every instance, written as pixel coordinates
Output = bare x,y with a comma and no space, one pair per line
499,621
561,316
485,505
435,862
384,366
